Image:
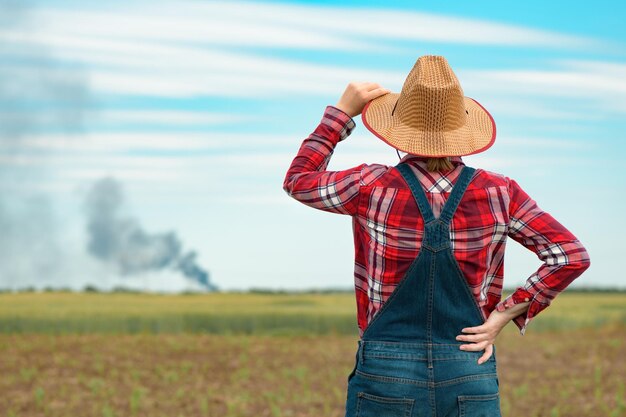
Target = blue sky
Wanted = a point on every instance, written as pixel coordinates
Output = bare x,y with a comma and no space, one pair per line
194,110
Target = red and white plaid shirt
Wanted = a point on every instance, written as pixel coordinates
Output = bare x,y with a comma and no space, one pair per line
388,226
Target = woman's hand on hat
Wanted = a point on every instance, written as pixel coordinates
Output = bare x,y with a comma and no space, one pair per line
484,336
356,96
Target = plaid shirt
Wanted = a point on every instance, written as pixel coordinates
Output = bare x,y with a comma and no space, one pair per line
388,226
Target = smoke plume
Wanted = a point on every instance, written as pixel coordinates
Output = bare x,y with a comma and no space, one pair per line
121,241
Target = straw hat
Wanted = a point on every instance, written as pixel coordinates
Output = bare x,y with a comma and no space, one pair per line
431,116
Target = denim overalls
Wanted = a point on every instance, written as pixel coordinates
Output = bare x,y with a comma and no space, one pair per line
408,361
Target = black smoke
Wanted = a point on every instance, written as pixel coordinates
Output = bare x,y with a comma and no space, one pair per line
122,241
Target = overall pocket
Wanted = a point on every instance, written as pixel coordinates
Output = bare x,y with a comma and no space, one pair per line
486,405
369,405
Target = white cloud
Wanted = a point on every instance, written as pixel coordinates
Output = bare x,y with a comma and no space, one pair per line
515,106
151,141
149,117
547,143
31,186
135,174
235,23
265,199
203,49
135,67
587,90
182,23
559,83
89,160
166,117
174,50
616,69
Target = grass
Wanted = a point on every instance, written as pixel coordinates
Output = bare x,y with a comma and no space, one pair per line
288,355
237,313
541,374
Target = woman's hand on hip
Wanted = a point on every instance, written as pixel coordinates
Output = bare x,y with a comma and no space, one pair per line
484,336
356,96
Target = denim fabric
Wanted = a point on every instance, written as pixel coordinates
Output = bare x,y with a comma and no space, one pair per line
408,362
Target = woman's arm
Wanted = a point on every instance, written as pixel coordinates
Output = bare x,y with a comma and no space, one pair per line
484,336
564,259
563,255
307,179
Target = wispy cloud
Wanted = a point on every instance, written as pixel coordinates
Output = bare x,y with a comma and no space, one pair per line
249,76
257,24
151,66
562,83
156,141
156,118
598,87
517,105
150,69
142,54
537,142
225,24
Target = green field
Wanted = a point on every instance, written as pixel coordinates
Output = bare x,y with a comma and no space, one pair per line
245,355
244,313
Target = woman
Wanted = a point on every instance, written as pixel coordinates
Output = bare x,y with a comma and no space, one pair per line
429,238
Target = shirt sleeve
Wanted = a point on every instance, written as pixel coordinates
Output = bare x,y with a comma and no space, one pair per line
307,179
564,257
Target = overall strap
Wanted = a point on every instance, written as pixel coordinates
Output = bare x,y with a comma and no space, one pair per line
458,189
451,204
417,191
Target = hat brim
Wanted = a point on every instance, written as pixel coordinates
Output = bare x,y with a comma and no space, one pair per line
476,135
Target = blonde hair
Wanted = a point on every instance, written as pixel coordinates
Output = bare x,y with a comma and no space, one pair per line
439,164
434,164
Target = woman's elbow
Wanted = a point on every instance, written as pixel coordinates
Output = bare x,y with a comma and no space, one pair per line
288,186
583,260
